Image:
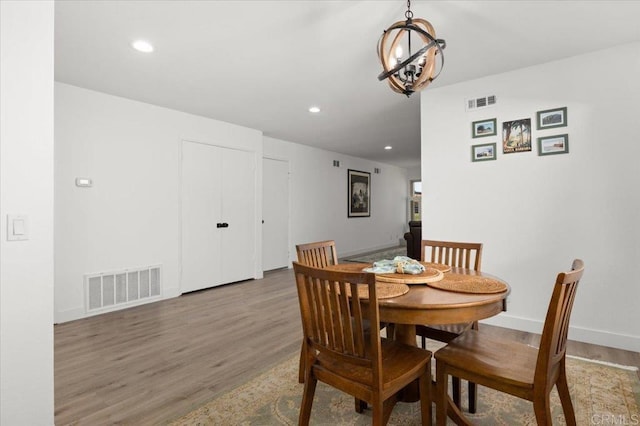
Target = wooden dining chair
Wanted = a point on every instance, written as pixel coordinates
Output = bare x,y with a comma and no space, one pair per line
513,367
341,354
319,255
454,254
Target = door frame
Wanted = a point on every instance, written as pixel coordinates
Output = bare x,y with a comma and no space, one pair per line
289,204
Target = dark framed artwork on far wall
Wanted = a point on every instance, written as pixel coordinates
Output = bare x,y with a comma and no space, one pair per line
359,190
482,128
551,118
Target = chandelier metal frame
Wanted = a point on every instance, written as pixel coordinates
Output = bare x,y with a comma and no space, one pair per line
403,76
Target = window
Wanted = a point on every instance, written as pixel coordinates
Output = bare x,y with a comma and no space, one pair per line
415,201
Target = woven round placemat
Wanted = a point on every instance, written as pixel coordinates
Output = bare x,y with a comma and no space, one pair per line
439,266
429,275
383,290
469,284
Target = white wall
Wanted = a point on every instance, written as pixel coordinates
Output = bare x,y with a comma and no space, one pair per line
536,214
414,173
131,216
319,199
26,187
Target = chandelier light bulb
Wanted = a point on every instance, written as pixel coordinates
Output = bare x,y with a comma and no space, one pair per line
399,52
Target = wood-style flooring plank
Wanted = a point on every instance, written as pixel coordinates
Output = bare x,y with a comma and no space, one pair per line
151,364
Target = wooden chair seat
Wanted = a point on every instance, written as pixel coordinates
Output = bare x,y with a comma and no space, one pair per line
399,360
500,360
512,367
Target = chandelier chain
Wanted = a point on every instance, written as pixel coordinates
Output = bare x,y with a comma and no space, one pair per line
408,14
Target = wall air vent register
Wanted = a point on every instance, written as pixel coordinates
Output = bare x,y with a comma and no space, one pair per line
481,102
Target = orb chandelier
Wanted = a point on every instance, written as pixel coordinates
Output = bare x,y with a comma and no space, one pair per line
414,71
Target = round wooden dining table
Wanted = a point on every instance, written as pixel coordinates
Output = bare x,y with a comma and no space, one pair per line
425,304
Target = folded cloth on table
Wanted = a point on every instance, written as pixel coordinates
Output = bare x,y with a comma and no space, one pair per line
399,265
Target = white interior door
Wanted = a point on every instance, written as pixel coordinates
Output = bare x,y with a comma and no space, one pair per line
275,213
201,211
239,214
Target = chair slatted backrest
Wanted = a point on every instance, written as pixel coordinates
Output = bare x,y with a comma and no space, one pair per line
320,254
556,325
333,315
455,254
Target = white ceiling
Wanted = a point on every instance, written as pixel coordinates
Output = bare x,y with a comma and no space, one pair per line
261,64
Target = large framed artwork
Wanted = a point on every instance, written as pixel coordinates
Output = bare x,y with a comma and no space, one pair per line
516,136
359,189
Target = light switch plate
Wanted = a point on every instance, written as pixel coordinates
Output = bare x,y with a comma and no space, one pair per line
17,227
84,182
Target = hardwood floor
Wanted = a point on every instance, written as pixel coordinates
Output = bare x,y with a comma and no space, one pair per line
150,364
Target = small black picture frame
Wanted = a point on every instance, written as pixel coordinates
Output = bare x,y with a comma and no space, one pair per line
359,192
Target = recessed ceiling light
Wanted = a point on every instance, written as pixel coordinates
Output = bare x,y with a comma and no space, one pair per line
142,46
314,109
388,147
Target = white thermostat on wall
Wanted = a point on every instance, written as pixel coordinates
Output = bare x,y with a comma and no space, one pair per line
84,182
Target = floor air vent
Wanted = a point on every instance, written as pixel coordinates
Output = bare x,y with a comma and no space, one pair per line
116,290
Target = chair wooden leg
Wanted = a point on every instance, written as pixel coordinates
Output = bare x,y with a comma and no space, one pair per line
391,331
387,408
303,354
455,386
425,396
473,388
307,400
565,397
378,413
542,409
360,405
442,383
473,397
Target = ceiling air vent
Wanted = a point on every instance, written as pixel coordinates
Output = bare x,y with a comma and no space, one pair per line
482,102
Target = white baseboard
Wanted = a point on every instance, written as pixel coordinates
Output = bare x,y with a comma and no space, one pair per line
580,334
80,312
368,250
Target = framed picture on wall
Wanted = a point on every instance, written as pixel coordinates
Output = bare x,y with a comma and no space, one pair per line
516,136
482,128
551,118
484,152
359,190
549,145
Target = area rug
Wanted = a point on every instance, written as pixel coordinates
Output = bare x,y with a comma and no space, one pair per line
389,253
599,392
